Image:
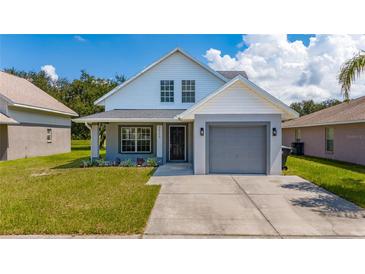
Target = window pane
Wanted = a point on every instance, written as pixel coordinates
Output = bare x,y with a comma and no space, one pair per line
167,91
329,139
188,91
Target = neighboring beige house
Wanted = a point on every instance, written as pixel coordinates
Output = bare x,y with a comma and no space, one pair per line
32,123
335,133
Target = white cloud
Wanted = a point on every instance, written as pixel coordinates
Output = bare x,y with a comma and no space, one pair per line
50,71
79,38
290,70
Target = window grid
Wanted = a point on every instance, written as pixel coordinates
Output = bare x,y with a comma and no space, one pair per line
135,139
329,139
49,135
188,91
167,91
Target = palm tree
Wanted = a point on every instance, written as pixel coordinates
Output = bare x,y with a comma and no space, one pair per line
351,70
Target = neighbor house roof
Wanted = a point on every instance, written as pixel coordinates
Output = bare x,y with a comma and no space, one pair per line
288,113
344,113
6,120
22,93
230,74
131,115
219,75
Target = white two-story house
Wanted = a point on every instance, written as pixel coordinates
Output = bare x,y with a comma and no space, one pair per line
179,110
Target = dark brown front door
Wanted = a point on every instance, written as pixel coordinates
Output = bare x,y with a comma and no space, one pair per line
177,143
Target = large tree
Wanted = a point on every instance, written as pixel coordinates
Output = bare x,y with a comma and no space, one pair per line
78,94
309,106
351,70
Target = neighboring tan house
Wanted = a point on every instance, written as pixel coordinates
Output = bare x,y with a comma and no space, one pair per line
179,110
32,123
335,133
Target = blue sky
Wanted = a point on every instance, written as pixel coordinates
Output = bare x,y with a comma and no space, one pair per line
106,55
291,67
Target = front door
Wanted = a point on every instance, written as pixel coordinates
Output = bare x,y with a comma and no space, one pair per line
177,148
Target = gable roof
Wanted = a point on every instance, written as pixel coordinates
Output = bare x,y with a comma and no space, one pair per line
344,113
289,113
219,75
230,74
22,93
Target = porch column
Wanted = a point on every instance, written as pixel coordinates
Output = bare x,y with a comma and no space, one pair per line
94,141
159,141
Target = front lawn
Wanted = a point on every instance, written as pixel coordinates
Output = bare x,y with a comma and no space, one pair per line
345,180
52,195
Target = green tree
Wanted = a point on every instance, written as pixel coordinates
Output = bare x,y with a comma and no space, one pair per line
351,70
79,94
309,106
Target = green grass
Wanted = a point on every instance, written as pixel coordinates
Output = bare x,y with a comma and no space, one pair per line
52,195
344,179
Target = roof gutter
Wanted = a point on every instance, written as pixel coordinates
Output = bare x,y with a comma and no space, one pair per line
327,124
45,109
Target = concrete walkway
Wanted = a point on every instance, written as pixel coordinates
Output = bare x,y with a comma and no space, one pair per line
210,206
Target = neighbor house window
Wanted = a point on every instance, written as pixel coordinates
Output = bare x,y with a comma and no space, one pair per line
188,91
167,91
49,135
329,139
136,139
298,135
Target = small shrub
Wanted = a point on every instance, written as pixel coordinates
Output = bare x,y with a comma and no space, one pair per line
127,163
152,162
99,162
86,163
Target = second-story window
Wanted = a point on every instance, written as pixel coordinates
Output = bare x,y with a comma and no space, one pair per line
188,91
167,91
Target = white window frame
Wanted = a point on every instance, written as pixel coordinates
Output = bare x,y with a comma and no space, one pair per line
326,133
167,86
49,135
136,140
186,87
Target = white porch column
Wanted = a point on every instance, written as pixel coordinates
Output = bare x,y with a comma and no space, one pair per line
94,141
159,134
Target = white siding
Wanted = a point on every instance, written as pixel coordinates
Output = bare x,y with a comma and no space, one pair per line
237,99
144,92
38,117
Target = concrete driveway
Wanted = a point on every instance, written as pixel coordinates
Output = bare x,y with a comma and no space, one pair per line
249,206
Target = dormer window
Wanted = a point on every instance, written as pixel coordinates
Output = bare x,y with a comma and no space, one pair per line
167,91
188,91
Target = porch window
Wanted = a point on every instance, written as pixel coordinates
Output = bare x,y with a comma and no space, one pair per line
188,91
329,139
167,91
136,139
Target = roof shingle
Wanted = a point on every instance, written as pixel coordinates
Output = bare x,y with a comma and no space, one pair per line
230,74
147,114
347,112
22,92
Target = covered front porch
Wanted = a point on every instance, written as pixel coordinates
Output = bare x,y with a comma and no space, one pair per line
158,134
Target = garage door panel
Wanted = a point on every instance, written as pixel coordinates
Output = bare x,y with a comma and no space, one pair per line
238,149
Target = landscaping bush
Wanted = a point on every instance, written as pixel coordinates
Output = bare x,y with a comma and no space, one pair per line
127,163
152,162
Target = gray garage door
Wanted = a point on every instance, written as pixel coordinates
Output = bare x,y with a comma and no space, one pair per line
237,149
